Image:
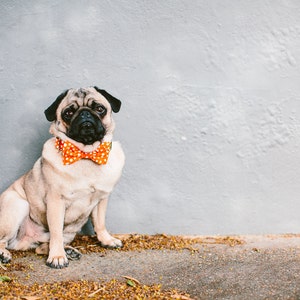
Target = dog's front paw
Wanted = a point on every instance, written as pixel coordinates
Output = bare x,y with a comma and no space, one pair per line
57,262
108,241
5,256
112,243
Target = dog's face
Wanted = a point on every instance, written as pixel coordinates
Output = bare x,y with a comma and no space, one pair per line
84,114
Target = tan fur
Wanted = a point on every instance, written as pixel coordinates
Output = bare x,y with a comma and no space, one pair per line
53,201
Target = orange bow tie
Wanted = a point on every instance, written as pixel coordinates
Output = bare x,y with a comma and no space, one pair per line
72,154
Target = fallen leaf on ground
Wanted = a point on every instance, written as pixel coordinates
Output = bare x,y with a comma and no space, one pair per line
5,278
132,279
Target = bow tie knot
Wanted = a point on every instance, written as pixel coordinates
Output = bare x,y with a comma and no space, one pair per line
71,153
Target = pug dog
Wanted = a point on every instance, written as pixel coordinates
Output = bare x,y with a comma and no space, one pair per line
70,182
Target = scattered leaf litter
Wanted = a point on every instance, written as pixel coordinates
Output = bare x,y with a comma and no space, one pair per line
130,288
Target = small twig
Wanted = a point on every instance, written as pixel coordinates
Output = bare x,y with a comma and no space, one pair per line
94,293
132,279
2,267
181,297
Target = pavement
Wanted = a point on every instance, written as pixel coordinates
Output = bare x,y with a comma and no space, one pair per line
263,267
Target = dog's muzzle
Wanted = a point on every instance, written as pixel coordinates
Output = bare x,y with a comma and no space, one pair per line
86,128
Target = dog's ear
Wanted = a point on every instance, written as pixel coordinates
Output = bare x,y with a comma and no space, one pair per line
50,112
114,102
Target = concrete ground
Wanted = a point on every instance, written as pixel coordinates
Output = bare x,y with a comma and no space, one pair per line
264,267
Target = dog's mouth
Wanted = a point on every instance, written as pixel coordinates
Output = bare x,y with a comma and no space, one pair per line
86,130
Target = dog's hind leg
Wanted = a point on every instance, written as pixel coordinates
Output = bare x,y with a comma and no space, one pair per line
13,212
42,249
72,253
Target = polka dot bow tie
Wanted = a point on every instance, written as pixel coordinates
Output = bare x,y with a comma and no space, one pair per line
72,154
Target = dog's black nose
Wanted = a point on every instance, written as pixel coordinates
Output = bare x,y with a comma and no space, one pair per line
85,114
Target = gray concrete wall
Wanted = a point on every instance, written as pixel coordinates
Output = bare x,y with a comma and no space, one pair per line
211,102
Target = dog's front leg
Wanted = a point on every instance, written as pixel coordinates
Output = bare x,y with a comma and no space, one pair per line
55,216
98,219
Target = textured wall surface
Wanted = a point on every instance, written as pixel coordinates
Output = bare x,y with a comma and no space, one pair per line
211,105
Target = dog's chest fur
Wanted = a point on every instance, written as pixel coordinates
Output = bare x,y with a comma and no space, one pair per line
82,185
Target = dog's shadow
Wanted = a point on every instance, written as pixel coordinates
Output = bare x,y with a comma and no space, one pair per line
25,148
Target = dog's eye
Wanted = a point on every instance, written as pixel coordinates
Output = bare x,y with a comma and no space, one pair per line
101,110
68,113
